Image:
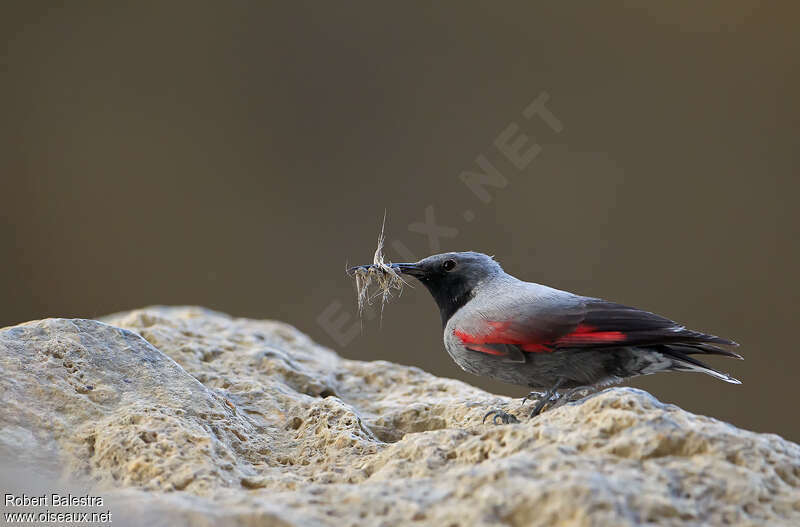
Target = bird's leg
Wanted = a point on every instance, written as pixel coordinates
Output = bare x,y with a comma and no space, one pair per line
505,417
532,395
567,397
547,396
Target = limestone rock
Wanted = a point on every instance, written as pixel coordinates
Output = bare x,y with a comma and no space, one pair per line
188,416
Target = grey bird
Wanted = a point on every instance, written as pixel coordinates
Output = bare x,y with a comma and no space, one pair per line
532,335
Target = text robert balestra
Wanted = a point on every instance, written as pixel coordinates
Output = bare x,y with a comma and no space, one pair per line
52,500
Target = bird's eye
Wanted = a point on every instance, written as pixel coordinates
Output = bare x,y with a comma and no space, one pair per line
449,265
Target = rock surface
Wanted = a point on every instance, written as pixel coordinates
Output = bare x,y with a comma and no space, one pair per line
186,416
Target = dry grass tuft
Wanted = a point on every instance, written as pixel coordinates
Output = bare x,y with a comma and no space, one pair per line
379,276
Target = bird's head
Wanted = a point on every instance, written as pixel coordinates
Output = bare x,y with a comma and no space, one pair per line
451,278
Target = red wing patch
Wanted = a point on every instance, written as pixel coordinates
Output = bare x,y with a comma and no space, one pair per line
498,334
583,335
484,349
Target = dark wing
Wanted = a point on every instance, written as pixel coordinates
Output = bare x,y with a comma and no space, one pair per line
607,323
548,320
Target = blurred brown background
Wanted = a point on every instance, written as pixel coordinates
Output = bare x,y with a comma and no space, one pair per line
238,155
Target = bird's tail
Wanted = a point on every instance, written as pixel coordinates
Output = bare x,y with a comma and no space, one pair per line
681,361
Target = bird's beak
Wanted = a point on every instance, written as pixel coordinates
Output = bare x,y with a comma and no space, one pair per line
402,268
409,268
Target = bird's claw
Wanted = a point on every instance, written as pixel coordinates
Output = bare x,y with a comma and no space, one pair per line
539,395
575,394
505,417
532,395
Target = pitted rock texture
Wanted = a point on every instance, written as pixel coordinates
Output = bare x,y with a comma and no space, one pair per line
188,416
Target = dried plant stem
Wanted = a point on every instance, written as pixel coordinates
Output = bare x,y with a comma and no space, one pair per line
380,275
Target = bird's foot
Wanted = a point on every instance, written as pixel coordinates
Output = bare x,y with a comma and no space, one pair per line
550,395
575,394
543,398
504,417
532,395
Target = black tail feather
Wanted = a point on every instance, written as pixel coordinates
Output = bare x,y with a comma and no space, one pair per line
683,362
697,336
705,349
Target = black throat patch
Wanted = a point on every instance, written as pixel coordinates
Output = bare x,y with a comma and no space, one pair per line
449,299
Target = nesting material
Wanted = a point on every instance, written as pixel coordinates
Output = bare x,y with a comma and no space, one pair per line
379,277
